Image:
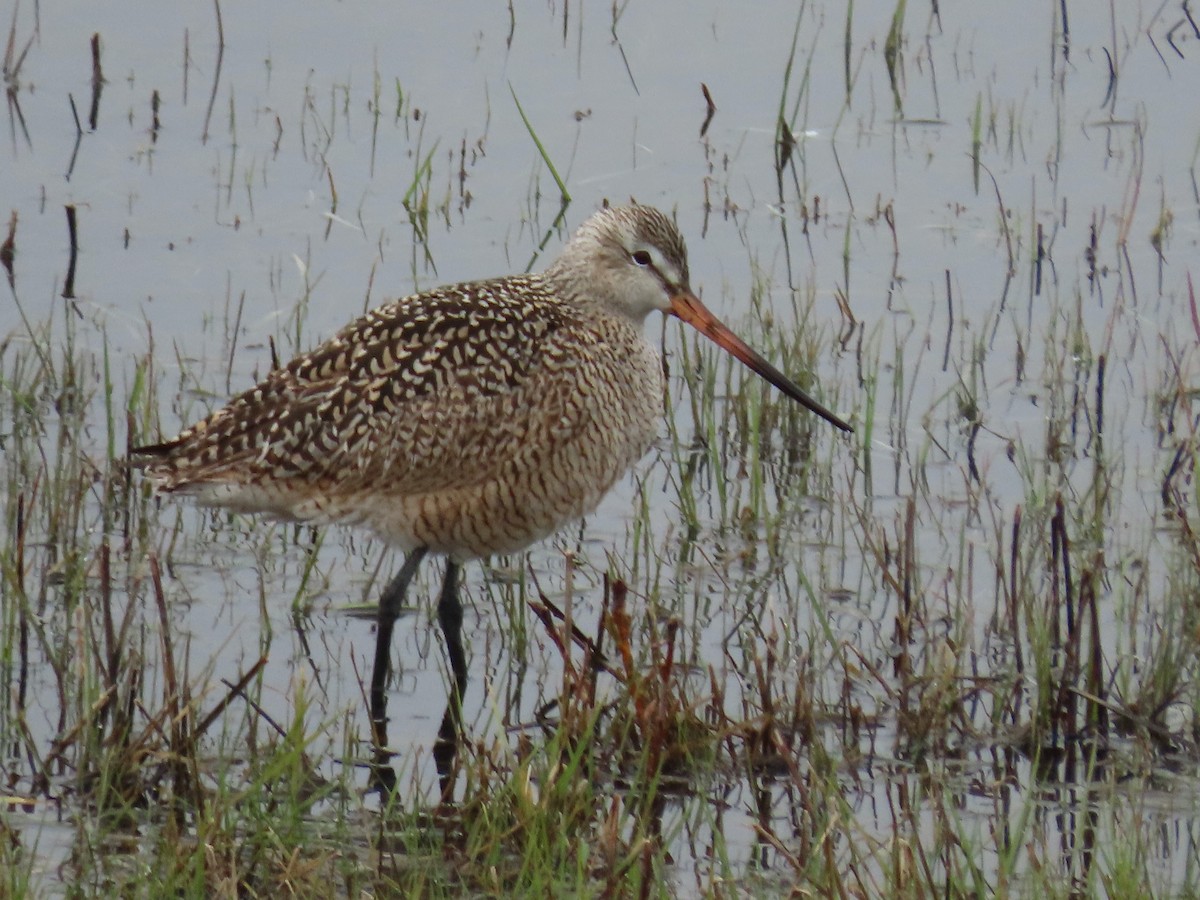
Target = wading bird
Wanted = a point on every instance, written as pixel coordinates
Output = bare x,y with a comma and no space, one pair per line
465,421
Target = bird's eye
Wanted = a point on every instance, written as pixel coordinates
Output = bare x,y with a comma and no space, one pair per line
642,257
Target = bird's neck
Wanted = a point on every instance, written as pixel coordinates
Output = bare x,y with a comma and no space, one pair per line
588,295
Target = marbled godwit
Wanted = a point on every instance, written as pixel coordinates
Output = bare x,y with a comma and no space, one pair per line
465,421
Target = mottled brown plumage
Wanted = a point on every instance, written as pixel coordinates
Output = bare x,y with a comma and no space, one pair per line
468,420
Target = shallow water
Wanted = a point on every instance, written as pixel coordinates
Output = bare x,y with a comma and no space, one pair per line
281,214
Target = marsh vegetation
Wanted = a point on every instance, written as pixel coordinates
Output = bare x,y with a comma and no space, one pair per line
955,654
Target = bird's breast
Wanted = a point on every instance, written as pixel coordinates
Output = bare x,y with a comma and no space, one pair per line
530,460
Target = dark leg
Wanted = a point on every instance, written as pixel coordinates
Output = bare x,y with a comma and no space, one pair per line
390,605
450,617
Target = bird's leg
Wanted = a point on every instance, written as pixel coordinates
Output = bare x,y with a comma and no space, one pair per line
450,617
390,605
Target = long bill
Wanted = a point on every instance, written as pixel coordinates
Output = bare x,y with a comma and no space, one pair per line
687,307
